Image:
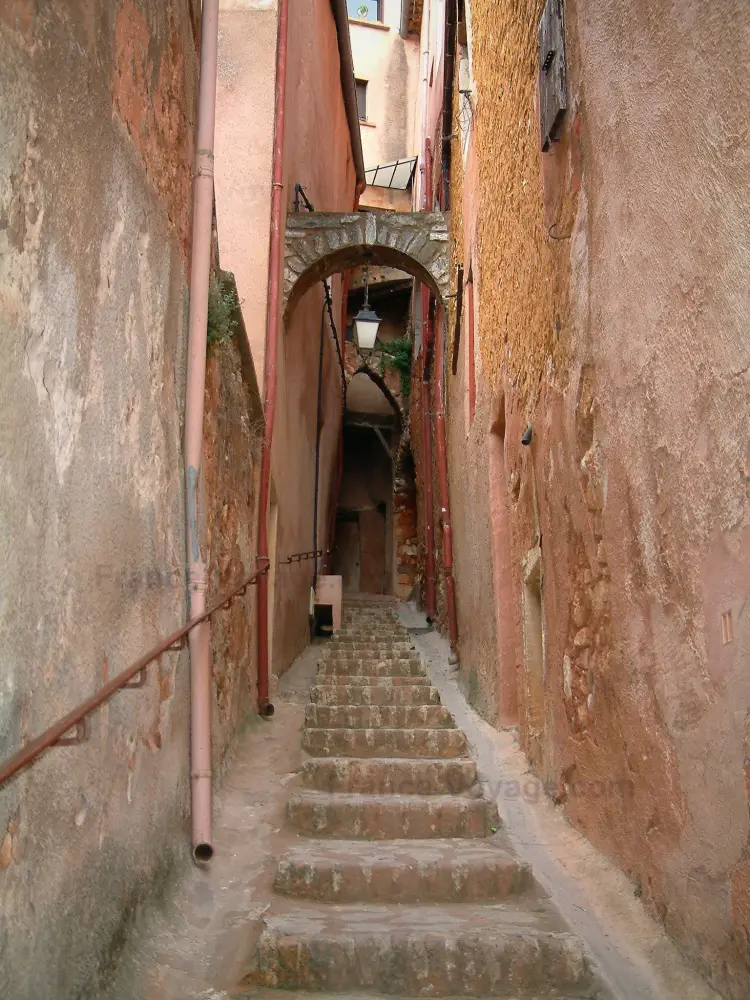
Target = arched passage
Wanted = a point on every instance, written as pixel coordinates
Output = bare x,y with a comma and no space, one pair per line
318,244
364,548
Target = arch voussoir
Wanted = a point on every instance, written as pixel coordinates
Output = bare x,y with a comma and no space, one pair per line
320,243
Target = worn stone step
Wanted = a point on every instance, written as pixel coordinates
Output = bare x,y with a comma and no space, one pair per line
402,871
437,951
384,742
371,667
368,680
375,694
383,776
377,633
391,817
378,716
363,648
268,993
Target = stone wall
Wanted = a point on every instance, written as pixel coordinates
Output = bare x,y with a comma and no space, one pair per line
609,623
233,439
97,116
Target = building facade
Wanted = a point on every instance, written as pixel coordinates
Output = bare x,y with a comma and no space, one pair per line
595,349
98,110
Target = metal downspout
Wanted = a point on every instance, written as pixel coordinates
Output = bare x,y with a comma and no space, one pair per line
273,323
429,527
340,462
198,638
442,468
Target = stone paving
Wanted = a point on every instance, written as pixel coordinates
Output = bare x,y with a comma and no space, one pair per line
413,890
360,853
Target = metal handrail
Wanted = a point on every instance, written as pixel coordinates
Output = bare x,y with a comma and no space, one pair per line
298,557
55,735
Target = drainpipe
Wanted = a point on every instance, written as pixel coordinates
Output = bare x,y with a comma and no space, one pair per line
198,639
442,466
270,375
429,529
423,122
360,186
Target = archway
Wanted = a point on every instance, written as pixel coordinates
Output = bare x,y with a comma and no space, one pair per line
318,244
364,548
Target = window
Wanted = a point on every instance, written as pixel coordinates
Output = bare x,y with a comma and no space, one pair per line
365,10
361,99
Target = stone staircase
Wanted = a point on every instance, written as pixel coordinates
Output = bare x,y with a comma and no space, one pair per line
400,881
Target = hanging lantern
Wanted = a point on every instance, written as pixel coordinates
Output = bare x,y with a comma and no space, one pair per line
366,322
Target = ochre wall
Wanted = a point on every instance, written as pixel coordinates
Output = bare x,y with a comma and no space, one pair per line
612,293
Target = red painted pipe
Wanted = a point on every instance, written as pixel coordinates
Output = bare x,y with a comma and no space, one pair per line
442,468
360,186
429,528
273,322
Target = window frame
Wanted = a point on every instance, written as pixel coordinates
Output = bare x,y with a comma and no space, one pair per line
367,20
358,82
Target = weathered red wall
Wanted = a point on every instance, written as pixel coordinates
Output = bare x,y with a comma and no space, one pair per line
610,318
318,156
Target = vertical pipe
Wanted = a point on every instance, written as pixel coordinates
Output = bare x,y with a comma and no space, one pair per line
442,468
198,639
318,413
340,463
273,322
429,529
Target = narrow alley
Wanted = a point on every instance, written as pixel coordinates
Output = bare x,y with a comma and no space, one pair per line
374,511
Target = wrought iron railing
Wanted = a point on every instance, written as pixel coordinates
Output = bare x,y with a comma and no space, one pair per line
59,734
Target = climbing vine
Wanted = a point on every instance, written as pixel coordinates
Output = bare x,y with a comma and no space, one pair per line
397,354
222,303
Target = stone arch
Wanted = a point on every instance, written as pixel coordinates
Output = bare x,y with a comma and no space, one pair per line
318,244
380,382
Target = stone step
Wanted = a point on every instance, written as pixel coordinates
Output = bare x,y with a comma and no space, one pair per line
376,694
383,776
378,717
268,993
371,681
359,648
391,817
402,871
372,628
436,951
384,742
371,667
378,633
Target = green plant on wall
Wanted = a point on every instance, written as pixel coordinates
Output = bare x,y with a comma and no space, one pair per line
222,302
397,354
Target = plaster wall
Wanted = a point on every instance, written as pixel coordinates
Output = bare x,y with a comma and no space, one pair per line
610,318
390,66
243,154
97,117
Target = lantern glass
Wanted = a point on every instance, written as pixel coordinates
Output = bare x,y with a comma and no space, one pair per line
366,324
